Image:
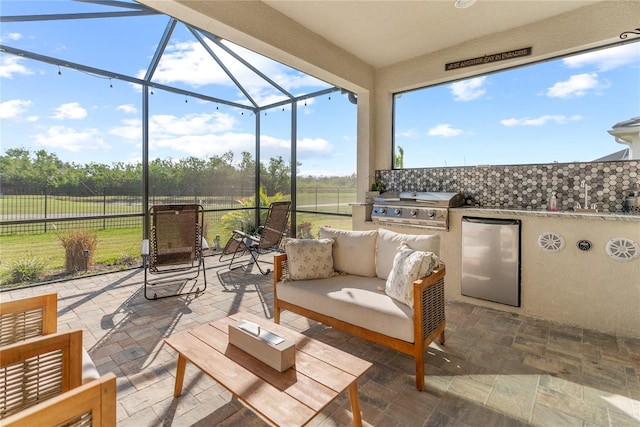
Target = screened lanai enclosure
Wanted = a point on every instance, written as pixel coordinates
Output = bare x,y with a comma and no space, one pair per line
109,107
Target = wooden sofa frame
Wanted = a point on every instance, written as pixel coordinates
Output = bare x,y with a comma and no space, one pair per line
428,316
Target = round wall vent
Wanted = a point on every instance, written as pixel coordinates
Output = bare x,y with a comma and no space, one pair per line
622,249
550,241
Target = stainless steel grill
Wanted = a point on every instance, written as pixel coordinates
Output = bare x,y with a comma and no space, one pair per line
424,209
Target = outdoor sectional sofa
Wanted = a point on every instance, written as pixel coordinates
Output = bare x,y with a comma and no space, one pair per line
346,287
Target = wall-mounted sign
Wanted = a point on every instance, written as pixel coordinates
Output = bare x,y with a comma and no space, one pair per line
488,58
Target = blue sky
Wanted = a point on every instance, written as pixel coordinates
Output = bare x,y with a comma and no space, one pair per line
86,118
555,111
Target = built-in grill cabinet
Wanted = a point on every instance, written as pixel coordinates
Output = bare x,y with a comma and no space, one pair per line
421,209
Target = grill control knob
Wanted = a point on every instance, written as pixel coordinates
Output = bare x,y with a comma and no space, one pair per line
397,211
413,213
431,214
383,211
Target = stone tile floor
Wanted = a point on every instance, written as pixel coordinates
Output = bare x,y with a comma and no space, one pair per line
495,369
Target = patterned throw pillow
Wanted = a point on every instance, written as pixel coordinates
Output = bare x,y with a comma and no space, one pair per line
408,266
309,259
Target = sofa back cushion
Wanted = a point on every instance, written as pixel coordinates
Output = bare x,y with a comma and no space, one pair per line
389,241
309,259
354,252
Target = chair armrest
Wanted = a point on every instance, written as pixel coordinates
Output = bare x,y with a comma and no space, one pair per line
279,262
144,248
97,397
428,301
246,236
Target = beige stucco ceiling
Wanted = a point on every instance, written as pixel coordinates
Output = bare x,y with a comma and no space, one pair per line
386,32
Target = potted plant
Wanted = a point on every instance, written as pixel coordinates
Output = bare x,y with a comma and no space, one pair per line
376,189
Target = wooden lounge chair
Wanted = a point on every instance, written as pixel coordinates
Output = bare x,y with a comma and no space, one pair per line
266,239
92,404
27,318
174,248
38,369
36,316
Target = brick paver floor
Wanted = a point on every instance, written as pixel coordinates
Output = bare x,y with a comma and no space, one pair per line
496,368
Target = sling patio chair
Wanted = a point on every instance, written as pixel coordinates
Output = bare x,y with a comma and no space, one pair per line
174,251
266,239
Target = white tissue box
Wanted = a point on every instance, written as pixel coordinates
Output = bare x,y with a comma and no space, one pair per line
265,346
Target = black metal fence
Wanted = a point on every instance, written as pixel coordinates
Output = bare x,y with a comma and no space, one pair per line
41,210
30,210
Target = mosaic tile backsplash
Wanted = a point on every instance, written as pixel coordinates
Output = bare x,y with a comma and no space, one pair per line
524,186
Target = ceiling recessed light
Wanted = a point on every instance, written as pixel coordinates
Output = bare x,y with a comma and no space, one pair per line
463,4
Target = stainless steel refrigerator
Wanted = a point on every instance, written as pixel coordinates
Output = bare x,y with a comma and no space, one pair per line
491,259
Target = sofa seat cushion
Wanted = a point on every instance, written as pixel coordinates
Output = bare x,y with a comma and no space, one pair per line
89,370
360,301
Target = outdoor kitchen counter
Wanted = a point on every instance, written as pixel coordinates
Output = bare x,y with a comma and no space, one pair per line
588,289
608,216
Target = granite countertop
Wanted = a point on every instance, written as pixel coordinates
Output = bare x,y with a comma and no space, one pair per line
610,216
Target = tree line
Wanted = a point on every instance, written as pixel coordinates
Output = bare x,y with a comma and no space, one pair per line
215,175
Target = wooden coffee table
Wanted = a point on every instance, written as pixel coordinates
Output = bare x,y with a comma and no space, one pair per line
292,397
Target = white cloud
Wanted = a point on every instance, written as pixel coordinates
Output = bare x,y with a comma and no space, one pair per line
71,110
131,129
191,124
11,65
577,85
409,133
444,130
313,145
61,137
165,126
14,36
605,59
539,121
127,108
207,145
468,90
13,108
189,63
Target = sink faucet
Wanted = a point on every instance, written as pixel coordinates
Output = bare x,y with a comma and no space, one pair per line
586,187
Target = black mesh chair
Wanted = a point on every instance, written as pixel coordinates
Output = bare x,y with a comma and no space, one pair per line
266,239
174,251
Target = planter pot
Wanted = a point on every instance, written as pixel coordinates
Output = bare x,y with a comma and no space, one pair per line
370,196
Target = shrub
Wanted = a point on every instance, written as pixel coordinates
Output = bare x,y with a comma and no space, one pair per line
75,243
304,230
128,260
26,269
244,220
